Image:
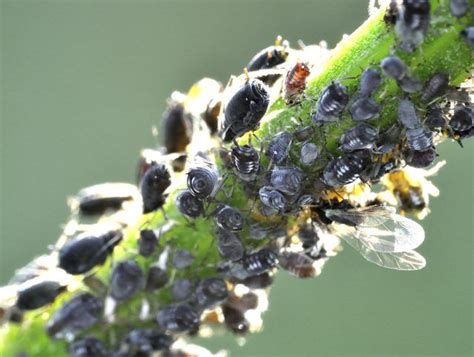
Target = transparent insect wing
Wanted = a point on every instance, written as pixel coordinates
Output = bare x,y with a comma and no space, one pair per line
408,260
382,230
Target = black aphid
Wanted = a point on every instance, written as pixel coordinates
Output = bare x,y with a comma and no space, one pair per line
229,245
303,134
308,236
462,119
297,264
331,103
211,291
370,80
98,199
177,127
88,347
182,259
147,242
407,114
388,139
420,159
419,139
260,261
271,56
86,251
153,185
434,118
260,281
245,162
360,137
288,180
309,153
182,289
273,199
458,7
259,231
127,279
364,108
79,313
189,205
279,147
248,301
156,278
202,181
435,87
235,320
468,35
145,341
229,218
394,67
345,169
412,23
306,200
410,85
178,318
245,109
38,294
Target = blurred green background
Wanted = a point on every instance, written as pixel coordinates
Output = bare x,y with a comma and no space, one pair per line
82,84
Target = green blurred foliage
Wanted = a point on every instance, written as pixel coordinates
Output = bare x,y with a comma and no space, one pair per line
83,82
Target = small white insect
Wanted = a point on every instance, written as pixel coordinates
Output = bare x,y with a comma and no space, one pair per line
381,236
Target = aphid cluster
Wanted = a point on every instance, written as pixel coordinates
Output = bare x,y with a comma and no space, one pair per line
300,200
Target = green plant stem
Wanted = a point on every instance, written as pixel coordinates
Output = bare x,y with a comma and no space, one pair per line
442,51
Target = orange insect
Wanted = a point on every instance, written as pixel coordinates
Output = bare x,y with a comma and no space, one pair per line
295,82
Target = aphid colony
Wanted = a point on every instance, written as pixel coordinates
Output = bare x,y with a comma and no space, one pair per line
300,198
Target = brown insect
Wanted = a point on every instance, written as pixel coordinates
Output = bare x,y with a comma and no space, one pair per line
295,82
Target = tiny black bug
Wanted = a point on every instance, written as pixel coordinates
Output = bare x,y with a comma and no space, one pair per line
182,289
88,347
394,67
271,56
309,153
202,181
419,139
211,291
273,199
331,103
434,118
308,236
435,87
259,261
304,133
127,279
388,139
153,185
468,35
288,180
156,279
345,169
279,147
229,245
98,199
235,320
295,82
420,159
413,23
178,318
462,119
360,137
147,242
38,293
245,162
370,80
228,218
82,311
407,114
364,108
245,109
86,251
177,127
182,259
189,205
145,341
248,301
458,7
410,85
